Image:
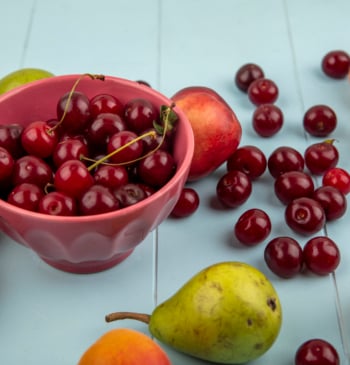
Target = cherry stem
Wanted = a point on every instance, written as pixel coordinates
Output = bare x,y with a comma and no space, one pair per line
93,77
165,117
116,316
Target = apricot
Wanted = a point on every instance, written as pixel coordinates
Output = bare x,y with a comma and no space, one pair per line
123,346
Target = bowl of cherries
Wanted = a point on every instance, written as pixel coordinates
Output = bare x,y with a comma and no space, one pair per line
89,166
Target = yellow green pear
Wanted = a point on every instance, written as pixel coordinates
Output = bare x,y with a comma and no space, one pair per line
228,313
22,76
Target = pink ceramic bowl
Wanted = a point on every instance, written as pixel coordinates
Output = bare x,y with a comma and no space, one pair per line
86,244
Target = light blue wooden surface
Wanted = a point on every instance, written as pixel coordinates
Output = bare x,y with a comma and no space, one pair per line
48,316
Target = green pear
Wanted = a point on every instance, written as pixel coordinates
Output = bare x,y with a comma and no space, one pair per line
22,76
228,313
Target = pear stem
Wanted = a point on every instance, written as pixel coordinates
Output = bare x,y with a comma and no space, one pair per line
116,316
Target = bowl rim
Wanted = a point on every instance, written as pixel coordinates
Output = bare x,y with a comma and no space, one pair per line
179,173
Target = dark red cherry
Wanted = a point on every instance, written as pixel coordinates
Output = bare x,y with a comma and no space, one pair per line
129,194
105,103
246,74
57,203
336,64
187,203
26,196
284,159
140,114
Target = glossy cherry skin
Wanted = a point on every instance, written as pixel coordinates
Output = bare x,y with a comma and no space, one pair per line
187,203
248,159
321,255
7,163
73,178
284,159
111,176
267,120
233,188
128,154
10,138
284,256
26,196
58,204
333,201
336,64
129,194
156,169
252,227
69,149
316,352
140,114
98,199
263,91
32,169
339,178
292,185
246,74
321,156
39,139
305,216
76,110
320,120
105,103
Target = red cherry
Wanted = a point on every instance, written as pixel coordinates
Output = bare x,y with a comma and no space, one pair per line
284,256
267,120
6,165
246,74
252,227
26,196
320,120
339,178
57,203
69,149
284,159
187,203
73,178
129,194
263,91
321,156
233,188
248,159
111,176
336,64
316,352
105,103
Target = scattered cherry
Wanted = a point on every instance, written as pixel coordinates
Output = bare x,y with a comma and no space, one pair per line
284,256
248,159
336,64
292,185
316,352
263,91
321,255
246,74
320,120
233,188
252,227
305,216
284,159
337,177
187,203
267,120
333,201
321,156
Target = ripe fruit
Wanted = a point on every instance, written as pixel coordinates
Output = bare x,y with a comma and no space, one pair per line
316,352
336,64
187,203
252,227
263,91
217,131
320,120
292,185
284,256
248,159
246,74
284,159
267,120
226,303
305,216
233,188
338,178
22,76
321,255
123,346
333,201
321,156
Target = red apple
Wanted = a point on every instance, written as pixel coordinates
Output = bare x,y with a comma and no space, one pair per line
217,131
